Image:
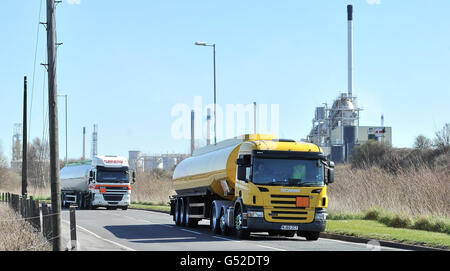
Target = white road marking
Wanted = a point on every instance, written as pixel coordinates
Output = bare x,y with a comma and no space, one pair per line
99,237
191,231
223,238
165,225
274,248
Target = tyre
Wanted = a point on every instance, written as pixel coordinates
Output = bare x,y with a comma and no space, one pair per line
241,233
124,208
289,233
183,212
224,229
214,221
190,222
312,235
177,213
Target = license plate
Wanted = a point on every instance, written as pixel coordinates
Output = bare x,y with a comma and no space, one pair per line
289,228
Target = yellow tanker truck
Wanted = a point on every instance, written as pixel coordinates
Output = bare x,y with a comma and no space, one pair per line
254,183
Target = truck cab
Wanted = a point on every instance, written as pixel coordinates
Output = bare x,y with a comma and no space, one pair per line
282,188
109,182
104,181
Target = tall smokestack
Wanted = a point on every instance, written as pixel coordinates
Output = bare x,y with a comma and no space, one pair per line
84,143
208,126
254,117
350,49
94,141
192,132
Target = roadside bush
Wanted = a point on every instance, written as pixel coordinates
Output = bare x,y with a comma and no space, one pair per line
399,221
155,186
372,214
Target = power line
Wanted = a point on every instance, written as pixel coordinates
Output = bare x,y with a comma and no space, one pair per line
34,68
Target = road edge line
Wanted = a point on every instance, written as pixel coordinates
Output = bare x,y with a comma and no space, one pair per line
101,238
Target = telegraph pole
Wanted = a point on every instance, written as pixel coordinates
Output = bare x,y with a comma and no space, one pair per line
53,127
24,139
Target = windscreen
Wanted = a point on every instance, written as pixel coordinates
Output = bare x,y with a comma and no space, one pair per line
113,175
288,172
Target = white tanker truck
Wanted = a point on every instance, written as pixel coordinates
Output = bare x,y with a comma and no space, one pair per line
103,181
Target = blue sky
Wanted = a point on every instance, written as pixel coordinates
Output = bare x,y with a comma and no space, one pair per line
124,65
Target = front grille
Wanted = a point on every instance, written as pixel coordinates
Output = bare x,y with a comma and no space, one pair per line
116,189
282,202
284,208
112,197
284,199
289,218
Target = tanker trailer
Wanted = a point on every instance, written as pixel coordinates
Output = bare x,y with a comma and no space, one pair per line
254,183
103,181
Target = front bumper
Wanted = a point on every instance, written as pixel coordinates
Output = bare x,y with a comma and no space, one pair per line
99,201
260,224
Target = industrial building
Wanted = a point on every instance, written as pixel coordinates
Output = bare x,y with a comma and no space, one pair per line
142,162
337,129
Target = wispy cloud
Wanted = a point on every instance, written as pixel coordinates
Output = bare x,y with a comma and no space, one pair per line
73,2
374,2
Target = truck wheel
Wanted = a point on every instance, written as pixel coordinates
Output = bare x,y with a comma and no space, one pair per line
124,208
190,222
214,221
312,235
238,221
224,229
289,233
183,212
177,212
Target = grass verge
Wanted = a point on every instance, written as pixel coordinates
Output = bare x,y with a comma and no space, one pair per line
377,230
151,206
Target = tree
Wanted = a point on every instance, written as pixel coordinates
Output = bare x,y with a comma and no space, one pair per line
38,163
442,139
3,162
422,143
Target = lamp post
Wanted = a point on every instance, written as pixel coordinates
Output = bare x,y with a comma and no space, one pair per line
201,43
65,100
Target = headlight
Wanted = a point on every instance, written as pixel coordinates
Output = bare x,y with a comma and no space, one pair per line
320,216
255,214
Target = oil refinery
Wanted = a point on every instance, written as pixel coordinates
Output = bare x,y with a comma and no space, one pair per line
337,128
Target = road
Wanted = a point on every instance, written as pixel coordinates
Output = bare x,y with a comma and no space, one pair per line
139,230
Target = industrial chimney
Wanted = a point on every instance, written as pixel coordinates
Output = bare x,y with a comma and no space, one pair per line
350,49
94,141
84,143
208,126
192,132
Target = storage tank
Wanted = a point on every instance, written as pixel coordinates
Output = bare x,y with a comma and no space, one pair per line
169,162
214,165
350,138
75,176
337,153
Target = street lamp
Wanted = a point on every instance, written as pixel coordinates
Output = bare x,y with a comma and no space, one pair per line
65,99
202,43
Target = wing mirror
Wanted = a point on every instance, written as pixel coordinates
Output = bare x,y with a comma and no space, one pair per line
244,160
133,177
91,176
241,173
330,172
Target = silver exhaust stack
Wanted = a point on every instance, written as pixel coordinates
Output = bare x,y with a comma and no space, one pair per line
350,49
